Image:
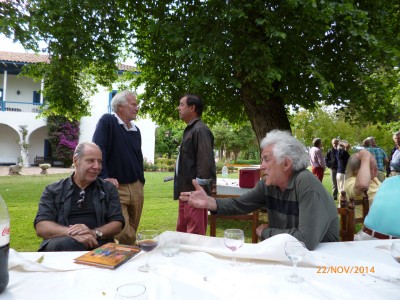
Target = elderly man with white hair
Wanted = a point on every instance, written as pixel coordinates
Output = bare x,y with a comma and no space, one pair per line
296,200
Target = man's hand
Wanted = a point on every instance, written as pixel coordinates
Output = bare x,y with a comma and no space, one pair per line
260,229
80,229
88,240
113,181
198,198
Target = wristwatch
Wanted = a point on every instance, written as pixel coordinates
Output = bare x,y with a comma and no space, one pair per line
99,234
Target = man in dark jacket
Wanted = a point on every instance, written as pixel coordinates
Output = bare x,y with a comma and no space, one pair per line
82,211
332,163
195,160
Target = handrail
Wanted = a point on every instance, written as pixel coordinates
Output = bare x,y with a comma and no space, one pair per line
14,106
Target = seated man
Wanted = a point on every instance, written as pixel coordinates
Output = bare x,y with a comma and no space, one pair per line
82,211
297,202
361,175
382,221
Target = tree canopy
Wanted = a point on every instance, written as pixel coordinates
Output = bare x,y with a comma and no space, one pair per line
250,60
254,59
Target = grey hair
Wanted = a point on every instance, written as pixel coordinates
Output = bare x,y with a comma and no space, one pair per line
120,99
286,146
81,147
353,165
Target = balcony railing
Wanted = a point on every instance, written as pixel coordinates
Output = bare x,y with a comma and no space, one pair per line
19,106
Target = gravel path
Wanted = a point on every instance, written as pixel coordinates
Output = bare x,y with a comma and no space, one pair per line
36,171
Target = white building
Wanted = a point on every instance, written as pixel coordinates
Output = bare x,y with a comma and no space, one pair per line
19,104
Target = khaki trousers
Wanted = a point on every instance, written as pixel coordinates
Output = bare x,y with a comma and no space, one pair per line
131,198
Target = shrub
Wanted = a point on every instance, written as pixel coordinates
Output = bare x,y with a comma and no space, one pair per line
63,138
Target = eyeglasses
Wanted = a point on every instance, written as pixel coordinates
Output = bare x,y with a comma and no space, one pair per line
81,199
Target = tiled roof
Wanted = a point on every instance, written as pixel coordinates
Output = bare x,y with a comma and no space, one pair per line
15,57
22,57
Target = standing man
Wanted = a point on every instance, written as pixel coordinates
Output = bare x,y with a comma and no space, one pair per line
195,161
317,159
394,164
332,163
121,144
81,212
380,155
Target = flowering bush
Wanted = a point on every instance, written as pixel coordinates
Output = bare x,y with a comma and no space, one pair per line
63,138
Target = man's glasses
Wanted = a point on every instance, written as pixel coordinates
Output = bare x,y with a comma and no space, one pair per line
81,199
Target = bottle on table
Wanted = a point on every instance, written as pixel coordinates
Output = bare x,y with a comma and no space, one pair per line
4,244
225,171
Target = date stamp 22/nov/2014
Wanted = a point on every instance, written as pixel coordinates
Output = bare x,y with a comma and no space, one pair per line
345,269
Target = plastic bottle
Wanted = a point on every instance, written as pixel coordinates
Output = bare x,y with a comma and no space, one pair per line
224,171
4,244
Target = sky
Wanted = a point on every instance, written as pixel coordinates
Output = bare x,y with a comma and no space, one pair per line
8,45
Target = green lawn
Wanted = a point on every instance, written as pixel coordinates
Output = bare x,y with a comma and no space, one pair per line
22,194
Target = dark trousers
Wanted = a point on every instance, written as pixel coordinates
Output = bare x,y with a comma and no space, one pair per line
61,243
334,183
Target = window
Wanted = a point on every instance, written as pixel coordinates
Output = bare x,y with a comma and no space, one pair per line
36,97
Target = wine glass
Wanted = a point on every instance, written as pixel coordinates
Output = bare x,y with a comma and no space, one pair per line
395,249
147,241
295,251
233,239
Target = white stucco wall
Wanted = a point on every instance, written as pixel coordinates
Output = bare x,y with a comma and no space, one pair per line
37,128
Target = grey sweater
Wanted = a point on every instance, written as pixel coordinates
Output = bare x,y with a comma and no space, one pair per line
304,209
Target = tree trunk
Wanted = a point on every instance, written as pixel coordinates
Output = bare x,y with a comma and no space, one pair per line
266,115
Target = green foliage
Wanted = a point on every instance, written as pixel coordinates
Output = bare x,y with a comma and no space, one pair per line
63,137
236,139
327,124
259,57
250,60
84,40
168,138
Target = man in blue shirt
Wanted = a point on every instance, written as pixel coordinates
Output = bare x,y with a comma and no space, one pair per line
380,156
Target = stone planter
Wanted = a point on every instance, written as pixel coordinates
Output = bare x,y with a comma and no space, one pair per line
44,168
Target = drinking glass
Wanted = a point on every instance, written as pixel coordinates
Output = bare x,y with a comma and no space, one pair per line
395,249
295,251
148,241
233,239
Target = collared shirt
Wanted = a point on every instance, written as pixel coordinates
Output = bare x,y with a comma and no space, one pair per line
317,158
120,122
395,162
380,156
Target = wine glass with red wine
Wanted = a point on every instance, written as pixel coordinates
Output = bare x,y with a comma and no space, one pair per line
148,241
233,239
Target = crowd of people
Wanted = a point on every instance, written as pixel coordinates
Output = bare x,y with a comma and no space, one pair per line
367,171
103,199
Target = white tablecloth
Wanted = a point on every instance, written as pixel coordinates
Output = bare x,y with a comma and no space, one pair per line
202,270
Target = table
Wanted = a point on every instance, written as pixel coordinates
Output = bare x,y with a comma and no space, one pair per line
202,271
226,186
